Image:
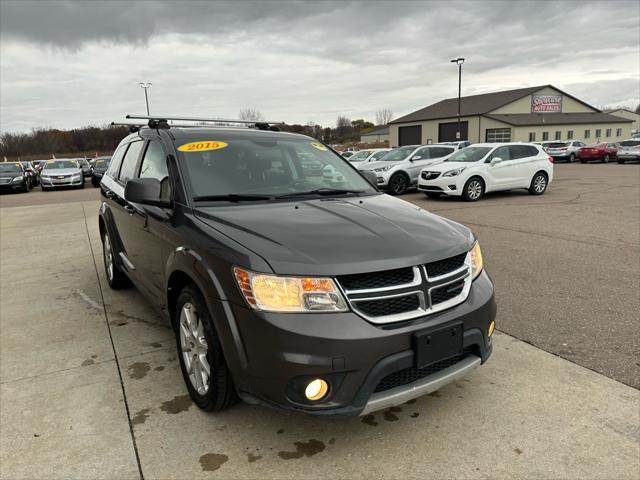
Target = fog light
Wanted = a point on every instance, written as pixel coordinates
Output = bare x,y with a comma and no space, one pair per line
492,327
316,389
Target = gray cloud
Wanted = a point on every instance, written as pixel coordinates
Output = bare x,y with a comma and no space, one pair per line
70,63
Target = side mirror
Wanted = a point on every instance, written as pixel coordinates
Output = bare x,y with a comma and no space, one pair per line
370,176
415,157
495,160
147,191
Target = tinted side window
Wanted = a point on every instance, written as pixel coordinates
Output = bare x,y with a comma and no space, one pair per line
154,163
130,161
116,160
423,152
501,152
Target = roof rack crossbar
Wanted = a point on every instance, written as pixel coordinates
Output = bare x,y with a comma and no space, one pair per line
197,119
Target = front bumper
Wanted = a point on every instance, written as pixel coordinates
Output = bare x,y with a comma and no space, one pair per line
446,185
628,156
61,182
12,186
353,355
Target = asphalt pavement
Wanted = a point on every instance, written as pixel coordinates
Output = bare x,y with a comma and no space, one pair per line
90,386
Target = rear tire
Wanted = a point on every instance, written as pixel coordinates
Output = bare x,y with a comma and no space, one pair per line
398,184
539,184
116,279
202,361
473,190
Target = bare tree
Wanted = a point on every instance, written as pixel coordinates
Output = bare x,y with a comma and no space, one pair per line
251,114
384,116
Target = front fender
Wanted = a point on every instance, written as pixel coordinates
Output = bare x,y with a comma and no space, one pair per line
187,261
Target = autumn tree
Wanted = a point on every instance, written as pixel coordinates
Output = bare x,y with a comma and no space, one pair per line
251,115
384,116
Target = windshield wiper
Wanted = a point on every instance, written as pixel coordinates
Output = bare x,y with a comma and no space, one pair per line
232,197
320,191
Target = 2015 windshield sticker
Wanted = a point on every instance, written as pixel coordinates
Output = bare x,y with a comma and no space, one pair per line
319,146
202,146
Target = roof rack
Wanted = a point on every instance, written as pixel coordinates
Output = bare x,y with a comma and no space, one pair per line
161,121
133,127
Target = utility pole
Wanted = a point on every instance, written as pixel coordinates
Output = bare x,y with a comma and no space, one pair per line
459,62
146,86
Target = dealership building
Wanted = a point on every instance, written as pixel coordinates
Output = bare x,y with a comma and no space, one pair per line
533,114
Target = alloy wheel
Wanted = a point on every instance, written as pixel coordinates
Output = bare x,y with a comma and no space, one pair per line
399,185
194,349
474,189
540,183
108,256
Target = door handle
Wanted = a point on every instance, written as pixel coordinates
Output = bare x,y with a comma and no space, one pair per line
129,209
108,194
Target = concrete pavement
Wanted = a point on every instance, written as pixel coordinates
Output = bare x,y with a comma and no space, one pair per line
90,387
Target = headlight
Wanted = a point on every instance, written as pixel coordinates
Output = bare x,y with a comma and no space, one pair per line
273,293
18,179
476,260
453,173
383,169
44,177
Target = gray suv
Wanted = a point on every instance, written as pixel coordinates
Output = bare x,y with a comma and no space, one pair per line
400,168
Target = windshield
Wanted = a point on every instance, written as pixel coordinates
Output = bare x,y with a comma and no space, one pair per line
82,162
469,154
58,164
379,155
361,156
10,168
101,164
630,143
250,164
556,145
398,154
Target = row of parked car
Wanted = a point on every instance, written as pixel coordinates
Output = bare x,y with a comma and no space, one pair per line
53,173
574,150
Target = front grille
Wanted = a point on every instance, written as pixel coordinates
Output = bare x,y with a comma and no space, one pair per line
430,175
389,306
413,374
387,278
5,180
442,267
442,294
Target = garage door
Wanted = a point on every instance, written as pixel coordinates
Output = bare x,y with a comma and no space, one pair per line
447,131
410,135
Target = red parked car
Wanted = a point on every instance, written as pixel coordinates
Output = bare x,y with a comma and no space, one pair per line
598,151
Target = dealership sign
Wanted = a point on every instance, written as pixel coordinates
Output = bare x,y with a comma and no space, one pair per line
546,103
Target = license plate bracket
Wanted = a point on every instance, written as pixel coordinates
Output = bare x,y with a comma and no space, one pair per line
435,345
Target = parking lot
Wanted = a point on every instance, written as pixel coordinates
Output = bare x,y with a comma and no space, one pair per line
90,385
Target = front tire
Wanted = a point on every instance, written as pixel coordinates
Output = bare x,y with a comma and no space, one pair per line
572,158
116,279
539,184
202,361
620,161
473,189
398,184
605,159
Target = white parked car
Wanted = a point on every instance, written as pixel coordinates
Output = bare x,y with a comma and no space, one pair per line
459,145
629,150
563,150
489,167
370,155
398,169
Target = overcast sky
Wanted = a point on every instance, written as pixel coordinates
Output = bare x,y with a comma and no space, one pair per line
73,63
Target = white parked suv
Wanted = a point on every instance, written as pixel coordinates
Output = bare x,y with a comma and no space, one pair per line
563,150
398,170
489,167
629,150
369,155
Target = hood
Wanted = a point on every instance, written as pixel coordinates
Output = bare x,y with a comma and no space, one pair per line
10,174
335,236
59,171
377,164
446,166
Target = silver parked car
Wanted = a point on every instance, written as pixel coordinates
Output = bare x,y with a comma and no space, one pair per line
61,173
629,150
399,169
563,150
369,155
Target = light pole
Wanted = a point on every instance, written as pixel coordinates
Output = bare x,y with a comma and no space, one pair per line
146,86
459,62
